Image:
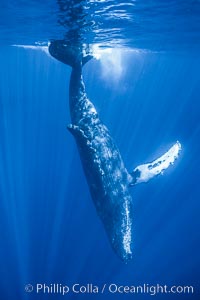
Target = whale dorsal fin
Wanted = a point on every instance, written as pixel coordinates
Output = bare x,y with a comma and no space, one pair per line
145,172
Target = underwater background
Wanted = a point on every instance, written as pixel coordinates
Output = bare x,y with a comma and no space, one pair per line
146,88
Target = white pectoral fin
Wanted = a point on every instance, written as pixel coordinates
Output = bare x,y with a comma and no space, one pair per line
145,172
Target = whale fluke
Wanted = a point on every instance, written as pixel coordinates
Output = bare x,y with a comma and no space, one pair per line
70,55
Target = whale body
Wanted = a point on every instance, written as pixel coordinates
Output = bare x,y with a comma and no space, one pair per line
108,179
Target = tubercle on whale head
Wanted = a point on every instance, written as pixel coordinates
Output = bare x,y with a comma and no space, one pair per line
125,255
126,259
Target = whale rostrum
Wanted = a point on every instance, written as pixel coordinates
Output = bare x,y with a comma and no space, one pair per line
108,179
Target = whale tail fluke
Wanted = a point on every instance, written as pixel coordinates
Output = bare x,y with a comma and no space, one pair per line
86,58
70,55
145,172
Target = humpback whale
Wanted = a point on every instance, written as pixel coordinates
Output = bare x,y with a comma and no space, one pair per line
108,179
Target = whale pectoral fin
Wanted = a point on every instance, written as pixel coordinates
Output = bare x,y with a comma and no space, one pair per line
73,129
76,131
145,172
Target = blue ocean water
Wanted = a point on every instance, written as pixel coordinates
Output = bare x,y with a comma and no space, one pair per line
148,98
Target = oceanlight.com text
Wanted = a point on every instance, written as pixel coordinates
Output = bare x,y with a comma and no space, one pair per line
111,288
